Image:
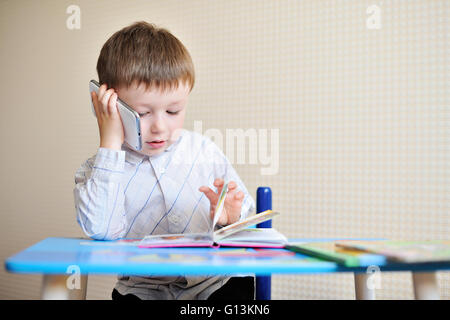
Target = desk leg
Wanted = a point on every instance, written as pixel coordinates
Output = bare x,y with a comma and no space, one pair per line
425,286
362,291
54,287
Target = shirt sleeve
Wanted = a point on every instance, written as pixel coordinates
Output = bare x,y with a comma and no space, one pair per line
224,169
98,195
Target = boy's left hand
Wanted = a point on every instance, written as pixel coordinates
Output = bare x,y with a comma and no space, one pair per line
233,201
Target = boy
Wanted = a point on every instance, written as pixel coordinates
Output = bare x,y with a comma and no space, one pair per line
166,187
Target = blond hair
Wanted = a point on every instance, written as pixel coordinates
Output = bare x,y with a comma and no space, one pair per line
144,53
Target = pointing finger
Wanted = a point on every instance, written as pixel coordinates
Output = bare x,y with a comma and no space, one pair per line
210,194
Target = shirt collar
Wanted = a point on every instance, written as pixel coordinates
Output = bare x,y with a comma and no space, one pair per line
135,157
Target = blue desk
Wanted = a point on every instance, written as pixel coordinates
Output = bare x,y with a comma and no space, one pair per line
66,263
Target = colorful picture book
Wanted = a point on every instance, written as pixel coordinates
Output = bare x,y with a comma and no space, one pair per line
237,234
403,251
327,250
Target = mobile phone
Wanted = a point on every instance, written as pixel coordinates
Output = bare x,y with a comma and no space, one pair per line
130,119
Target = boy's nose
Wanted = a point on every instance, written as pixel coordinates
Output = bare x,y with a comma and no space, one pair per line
157,125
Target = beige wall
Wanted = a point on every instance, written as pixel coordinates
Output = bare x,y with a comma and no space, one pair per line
362,115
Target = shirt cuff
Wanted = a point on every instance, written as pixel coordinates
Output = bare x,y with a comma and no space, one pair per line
109,164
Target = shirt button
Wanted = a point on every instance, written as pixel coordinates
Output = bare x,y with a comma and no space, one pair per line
162,171
174,219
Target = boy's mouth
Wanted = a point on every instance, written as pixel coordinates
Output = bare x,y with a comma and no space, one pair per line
156,144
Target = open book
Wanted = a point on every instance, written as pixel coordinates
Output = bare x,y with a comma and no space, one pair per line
236,234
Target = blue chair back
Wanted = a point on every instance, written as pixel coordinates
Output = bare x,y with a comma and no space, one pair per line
263,203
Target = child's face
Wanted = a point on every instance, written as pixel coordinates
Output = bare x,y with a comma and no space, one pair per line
162,114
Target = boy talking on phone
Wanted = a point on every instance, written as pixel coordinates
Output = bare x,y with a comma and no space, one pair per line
168,185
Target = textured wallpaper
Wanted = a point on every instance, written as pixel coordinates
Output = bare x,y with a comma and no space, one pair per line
343,106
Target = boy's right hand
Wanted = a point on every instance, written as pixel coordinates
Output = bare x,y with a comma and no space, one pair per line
108,118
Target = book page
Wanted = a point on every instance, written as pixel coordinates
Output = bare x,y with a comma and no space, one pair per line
177,240
257,235
255,238
237,226
219,205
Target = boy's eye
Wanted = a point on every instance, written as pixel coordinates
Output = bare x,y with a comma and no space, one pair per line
147,113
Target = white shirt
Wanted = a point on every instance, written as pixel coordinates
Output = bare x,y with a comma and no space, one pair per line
124,194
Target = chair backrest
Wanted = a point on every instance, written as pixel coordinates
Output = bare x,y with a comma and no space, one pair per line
263,203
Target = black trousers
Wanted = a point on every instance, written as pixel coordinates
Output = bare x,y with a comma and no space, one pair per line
236,288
